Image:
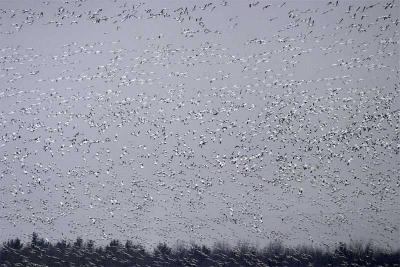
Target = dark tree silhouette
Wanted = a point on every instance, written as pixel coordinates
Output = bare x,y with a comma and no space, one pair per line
80,253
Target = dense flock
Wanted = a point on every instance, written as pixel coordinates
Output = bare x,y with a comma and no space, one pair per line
200,121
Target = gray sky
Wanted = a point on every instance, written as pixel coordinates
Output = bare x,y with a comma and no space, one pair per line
200,121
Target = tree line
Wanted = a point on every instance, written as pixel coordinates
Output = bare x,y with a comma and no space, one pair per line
39,252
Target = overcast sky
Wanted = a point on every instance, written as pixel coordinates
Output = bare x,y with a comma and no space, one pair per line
201,121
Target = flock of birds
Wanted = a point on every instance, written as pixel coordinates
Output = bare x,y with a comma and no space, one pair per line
206,121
